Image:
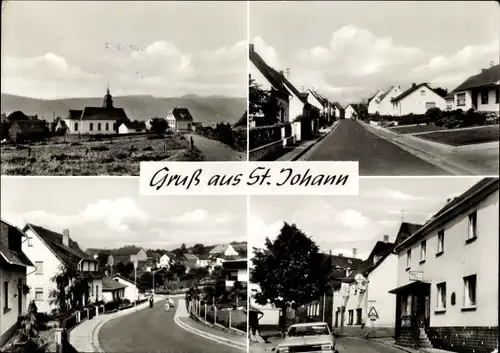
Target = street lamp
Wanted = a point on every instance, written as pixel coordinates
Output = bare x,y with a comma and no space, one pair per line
153,272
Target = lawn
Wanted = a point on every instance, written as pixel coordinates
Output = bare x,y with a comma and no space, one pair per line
117,156
416,129
465,137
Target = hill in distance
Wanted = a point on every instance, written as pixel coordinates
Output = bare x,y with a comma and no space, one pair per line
204,109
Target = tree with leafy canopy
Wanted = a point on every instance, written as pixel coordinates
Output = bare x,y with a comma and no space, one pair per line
289,270
198,249
257,97
237,293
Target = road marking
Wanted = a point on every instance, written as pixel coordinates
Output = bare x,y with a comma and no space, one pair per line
200,333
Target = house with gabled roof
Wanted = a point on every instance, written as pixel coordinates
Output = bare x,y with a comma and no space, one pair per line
417,100
385,106
179,119
338,111
132,127
222,250
27,130
50,251
112,290
130,254
374,101
96,120
356,111
131,290
479,92
14,266
447,275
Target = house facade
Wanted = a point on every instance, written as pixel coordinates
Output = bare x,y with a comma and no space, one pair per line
95,120
130,254
27,130
179,120
447,282
374,101
166,260
223,250
131,128
417,100
112,290
14,266
366,292
50,251
479,92
131,291
385,106
236,271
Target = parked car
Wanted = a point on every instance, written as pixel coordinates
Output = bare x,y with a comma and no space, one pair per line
308,337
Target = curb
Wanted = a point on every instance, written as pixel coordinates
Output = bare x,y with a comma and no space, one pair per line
313,144
404,349
207,335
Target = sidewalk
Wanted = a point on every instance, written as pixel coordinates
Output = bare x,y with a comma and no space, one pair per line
183,320
484,162
84,336
265,347
296,151
392,343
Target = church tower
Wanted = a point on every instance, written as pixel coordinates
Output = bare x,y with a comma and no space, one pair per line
108,100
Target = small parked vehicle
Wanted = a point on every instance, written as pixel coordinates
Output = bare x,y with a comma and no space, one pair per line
308,337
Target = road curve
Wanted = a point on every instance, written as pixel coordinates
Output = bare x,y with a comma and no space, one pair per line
154,330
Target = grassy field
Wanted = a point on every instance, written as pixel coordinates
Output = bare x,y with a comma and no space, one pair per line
119,156
464,137
416,129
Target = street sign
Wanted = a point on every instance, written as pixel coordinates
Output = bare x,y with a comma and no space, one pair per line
344,289
359,278
372,314
416,276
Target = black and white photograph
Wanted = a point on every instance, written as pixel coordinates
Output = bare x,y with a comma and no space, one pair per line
405,88
408,265
96,87
102,269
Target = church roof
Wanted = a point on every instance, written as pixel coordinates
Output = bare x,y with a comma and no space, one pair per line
100,113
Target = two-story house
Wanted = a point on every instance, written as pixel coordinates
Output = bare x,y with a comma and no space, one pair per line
130,254
236,271
166,260
385,105
50,252
179,119
14,265
479,92
373,102
417,100
447,289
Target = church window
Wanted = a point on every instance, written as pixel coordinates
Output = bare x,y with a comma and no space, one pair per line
98,126
76,126
91,127
107,126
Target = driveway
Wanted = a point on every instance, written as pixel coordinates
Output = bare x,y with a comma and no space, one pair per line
215,150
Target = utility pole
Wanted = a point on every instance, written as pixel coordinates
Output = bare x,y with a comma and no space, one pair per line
135,284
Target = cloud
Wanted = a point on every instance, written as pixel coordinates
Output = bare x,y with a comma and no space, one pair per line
112,223
267,52
390,194
356,62
160,69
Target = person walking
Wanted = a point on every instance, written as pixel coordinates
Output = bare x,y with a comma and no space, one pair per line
167,305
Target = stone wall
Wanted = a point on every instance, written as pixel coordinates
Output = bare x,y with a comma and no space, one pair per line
464,339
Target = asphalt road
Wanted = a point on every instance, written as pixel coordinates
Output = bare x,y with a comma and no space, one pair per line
357,345
154,330
350,141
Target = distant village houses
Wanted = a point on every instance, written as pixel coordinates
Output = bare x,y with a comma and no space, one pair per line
179,120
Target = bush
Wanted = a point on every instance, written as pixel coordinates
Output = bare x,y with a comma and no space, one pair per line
433,114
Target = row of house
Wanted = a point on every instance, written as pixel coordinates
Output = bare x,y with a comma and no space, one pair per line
291,103
435,286
479,92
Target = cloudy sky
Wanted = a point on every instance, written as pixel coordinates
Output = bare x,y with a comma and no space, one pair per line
347,50
341,223
54,49
110,213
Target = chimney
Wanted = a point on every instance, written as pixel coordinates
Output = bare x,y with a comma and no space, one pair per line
386,238
341,255
282,73
413,85
354,252
252,48
65,238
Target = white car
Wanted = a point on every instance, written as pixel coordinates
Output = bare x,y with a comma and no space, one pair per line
308,337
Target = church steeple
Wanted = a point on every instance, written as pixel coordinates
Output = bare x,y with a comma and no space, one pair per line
108,99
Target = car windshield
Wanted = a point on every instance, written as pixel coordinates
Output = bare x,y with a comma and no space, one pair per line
316,330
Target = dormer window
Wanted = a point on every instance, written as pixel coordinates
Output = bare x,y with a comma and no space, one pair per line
375,259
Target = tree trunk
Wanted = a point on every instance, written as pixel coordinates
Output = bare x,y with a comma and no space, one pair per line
283,321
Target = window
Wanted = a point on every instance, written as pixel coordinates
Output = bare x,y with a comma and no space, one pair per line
91,289
440,238
358,316
6,295
460,99
232,276
98,126
107,126
422,92
423,251
408,259
484,97
96,292
472,234
497,96
76,126
429,105
351,317
39,267
30,241
91,126
470,291
38,294
441,295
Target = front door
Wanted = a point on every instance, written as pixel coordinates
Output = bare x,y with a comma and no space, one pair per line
337,318
422,306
